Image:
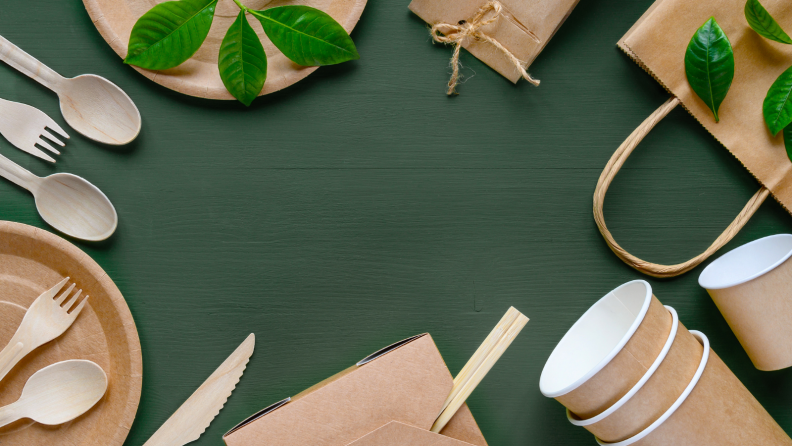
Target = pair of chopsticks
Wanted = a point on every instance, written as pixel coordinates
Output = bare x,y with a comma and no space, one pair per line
480,364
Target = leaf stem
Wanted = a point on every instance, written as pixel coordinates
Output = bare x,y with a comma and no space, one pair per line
241,6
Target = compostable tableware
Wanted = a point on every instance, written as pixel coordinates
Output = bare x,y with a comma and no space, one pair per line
91,104
25,126
607,351
752,287
194,416
715,409
31,259
46,319
58,393
67,202
199,76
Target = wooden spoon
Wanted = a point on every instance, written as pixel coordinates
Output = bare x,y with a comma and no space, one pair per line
67,202
58,393
91,104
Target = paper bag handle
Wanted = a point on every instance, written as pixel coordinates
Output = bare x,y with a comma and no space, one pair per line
609,173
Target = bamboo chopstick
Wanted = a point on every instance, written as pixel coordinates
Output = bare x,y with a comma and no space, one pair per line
480,364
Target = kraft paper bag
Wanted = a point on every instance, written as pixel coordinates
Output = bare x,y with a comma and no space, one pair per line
524,27
658,42
407,382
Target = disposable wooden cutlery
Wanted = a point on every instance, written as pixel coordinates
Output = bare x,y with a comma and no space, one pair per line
24,127
46,319
91,104
67,202
58,393
194,416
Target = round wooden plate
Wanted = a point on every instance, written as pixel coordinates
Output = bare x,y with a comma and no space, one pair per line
32,261
199,76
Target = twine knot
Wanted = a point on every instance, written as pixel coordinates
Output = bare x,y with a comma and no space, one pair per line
456,34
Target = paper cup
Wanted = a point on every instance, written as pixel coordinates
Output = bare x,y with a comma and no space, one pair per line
715,409
752,287
607,351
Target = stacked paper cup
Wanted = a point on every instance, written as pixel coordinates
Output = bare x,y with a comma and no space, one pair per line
631,373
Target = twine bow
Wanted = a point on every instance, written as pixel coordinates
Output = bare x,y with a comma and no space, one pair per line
456,34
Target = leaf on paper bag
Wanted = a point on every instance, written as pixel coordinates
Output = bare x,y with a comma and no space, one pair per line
242,61
170,33
709,65
788,141
763,23
777,107
307,36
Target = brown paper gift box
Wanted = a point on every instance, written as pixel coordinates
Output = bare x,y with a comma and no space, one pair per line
407,382
525,23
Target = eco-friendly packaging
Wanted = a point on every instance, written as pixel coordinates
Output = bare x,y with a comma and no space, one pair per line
524,30
400,434
406,382
752,287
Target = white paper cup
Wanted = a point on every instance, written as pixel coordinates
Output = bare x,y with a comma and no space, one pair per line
607,351
752,287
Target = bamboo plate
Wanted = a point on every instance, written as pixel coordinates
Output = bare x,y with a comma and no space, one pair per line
199,76
32,261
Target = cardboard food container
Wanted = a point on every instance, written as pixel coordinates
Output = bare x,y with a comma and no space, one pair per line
752,287
400,434
607,351
406,382
664,381
714,410
524,31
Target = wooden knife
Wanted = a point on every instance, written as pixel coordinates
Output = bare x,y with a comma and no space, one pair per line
194,416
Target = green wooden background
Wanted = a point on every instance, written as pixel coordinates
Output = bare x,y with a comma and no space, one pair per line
362,206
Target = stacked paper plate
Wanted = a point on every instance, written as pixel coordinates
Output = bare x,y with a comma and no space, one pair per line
631,373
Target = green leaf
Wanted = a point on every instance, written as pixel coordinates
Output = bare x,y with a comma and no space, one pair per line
788,141
307,36
777,107
170,33
709,65
763,23
242,61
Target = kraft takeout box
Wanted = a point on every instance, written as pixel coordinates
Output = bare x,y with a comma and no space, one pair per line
400,434
407,382
752,287
524,29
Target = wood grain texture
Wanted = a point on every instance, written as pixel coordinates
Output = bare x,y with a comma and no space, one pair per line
361,206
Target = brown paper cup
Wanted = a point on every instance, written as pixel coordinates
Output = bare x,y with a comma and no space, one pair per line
657,391
607,351
715,409
752,287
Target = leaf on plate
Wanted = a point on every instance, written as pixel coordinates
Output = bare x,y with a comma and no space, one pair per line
777,107
307,36
242,61
763,23
709,65
170,33
788,141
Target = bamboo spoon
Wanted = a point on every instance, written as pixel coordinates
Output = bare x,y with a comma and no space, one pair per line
91,104
58,393
67,202
480,364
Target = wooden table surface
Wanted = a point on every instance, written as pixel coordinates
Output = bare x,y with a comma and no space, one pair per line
362,206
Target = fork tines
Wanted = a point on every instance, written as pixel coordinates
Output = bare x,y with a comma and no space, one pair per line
69,305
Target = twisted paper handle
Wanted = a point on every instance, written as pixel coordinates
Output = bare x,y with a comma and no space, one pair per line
456,34
612,168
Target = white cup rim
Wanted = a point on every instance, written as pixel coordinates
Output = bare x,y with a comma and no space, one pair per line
649,372
700,371
709,278
638,319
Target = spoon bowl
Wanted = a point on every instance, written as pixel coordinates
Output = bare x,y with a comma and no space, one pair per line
98,109
75,207
58,393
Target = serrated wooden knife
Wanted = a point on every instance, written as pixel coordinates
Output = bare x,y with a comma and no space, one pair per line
194,416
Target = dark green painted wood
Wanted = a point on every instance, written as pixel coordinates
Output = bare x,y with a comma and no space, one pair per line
363,206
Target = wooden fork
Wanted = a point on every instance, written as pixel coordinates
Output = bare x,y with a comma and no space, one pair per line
24,127
46,319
